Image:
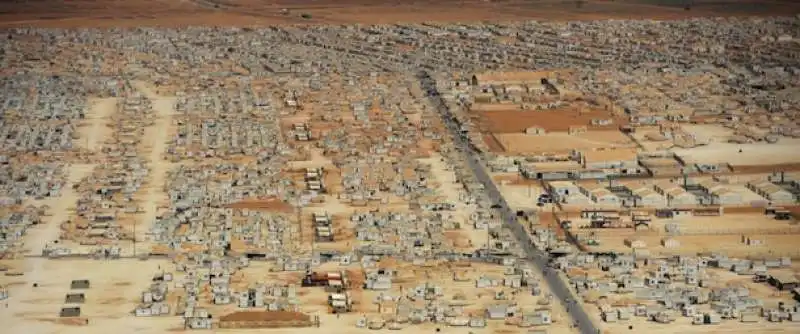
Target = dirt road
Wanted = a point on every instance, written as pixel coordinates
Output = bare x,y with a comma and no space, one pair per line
155,145
95,130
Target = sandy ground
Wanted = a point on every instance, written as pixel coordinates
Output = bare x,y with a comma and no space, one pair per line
155,142
115,291
96,130
316,160
107,13
561,142
37,269
712,132
449,188
520,197
731,245
732,223
784,151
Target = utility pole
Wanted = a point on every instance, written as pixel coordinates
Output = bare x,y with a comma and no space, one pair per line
299,221
685,178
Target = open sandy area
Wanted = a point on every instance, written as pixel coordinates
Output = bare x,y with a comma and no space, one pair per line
782,152
521,143
558,119
96,128
520,197
728,224
774,245
107,13
468,238
115,290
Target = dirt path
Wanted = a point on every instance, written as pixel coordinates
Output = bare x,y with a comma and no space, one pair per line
95,130
449,188
155,145
60,210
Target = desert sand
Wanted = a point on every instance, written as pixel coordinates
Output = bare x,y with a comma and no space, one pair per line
108,13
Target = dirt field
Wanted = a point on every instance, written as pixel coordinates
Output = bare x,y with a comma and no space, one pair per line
561,142
115,290
613,240
96,129
106,13
783,152
561,119
271,204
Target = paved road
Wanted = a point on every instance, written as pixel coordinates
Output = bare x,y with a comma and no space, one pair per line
539,258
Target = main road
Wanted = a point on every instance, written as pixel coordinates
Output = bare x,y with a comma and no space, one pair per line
537,257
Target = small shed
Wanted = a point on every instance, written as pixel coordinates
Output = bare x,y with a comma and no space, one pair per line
708,211
495,312
74,298
635,243
70,312
680,197
726,197
79,284
670,243
535,131
783,281
649,198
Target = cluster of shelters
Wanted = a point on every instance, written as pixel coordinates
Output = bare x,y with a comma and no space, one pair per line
662,289
416,234
40,113
772,192
14,224
430,302
20,180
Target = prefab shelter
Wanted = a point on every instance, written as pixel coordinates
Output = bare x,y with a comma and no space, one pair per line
68,312
539,318
477,322
726,197
79,284
649,198
771,191
562,188
495,312
610,316
784,281
576,199
670,243
74,298
608,159
635,243
750,317
681,198
604,197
